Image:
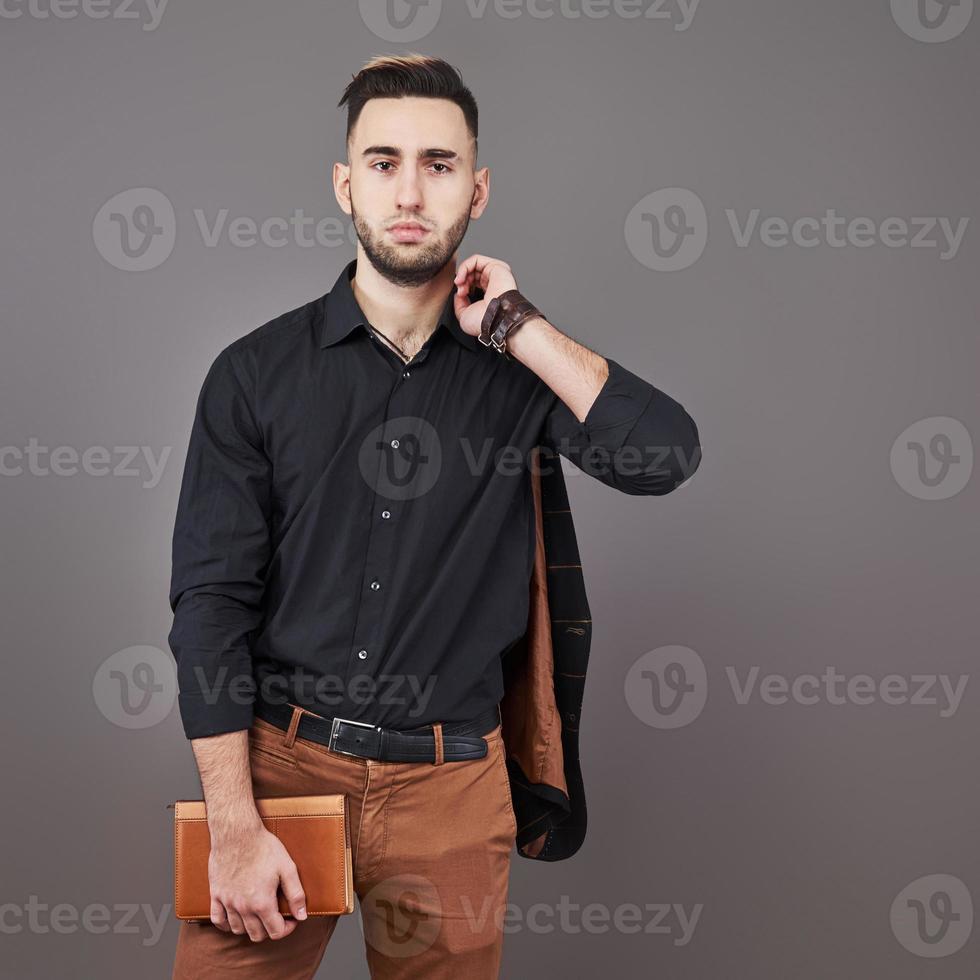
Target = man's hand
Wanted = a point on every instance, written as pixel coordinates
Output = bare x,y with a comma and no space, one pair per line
244,871
247,863
493,276
574,372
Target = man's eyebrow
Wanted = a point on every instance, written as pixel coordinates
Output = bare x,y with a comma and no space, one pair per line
426,154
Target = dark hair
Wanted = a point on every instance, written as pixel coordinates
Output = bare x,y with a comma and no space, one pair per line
398,76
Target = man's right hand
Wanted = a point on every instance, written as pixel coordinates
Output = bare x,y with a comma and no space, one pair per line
245,869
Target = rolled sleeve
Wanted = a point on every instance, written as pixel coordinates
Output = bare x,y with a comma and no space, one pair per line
221,550
635,437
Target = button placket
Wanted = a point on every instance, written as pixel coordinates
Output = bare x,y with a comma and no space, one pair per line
369,641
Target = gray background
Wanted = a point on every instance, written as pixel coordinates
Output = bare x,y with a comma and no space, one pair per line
794,548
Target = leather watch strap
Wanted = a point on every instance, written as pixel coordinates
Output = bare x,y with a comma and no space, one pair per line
504,314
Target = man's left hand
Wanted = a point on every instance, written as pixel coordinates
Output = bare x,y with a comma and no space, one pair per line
493,276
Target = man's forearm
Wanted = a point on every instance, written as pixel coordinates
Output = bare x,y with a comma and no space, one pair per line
607,412
573,372
247,863
222,761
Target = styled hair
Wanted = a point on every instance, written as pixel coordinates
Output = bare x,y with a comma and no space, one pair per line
397,76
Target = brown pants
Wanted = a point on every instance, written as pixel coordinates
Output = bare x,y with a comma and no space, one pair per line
431,846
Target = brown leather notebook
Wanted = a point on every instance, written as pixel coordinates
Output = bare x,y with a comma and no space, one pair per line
315,830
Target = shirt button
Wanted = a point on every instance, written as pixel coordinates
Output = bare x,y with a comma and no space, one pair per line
385,514
394,443
362,654
375,585
406,374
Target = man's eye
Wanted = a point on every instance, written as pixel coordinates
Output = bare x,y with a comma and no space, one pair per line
388,164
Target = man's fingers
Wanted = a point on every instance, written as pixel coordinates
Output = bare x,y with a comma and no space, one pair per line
253,925
276,927
293,890
235,922
218,916
463,270
474,266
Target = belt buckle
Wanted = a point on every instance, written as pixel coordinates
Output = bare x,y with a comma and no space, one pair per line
335,723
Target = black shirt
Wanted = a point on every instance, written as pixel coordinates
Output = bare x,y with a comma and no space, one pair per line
356,534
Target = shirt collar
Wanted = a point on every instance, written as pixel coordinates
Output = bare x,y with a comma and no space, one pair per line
342,313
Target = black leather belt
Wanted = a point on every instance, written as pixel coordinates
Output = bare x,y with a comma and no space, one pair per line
460,739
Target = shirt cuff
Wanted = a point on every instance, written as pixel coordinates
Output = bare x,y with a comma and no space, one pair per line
216,713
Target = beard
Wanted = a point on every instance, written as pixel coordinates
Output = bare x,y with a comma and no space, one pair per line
410,265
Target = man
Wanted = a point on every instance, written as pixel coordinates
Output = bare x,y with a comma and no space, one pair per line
354,539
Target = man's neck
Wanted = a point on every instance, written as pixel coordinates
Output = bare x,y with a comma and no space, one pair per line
405,315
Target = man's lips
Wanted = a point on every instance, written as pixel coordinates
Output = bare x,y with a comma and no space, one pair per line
408,233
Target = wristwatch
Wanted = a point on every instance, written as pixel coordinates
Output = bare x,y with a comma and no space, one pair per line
504,314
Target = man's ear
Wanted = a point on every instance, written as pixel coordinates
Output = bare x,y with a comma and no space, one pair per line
481,192
341,186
